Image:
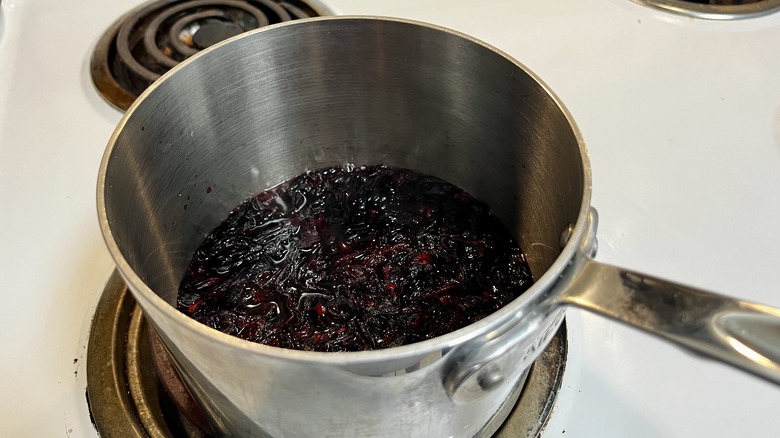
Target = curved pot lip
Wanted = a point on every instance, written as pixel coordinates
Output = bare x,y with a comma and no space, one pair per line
494,321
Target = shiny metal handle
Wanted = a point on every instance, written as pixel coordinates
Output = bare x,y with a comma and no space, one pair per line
743,334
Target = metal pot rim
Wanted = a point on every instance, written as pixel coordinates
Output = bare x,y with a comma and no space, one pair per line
530,298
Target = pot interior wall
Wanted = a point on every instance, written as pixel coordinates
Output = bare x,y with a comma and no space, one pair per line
270,105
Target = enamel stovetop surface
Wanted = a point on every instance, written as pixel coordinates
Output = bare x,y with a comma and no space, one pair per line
682,121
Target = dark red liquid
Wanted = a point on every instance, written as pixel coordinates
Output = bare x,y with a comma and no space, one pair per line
346,259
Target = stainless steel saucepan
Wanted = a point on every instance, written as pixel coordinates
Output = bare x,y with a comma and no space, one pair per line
268,105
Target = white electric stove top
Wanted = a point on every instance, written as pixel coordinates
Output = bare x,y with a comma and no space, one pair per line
681,117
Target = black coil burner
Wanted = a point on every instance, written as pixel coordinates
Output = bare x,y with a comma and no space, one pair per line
153,38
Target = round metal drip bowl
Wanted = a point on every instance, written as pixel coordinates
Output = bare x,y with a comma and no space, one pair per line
716,9
133,392
150,40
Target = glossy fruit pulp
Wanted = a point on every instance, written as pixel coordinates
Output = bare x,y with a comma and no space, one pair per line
353,258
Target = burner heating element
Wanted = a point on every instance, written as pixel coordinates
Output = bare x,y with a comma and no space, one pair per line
148,41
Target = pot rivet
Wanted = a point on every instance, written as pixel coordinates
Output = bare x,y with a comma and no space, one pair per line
490,379
566,235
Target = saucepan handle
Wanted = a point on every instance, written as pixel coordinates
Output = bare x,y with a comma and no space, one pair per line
743,334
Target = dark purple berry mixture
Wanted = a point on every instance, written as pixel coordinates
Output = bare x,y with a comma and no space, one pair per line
346,259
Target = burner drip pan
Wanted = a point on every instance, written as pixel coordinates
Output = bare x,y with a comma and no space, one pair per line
127,397
716,9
